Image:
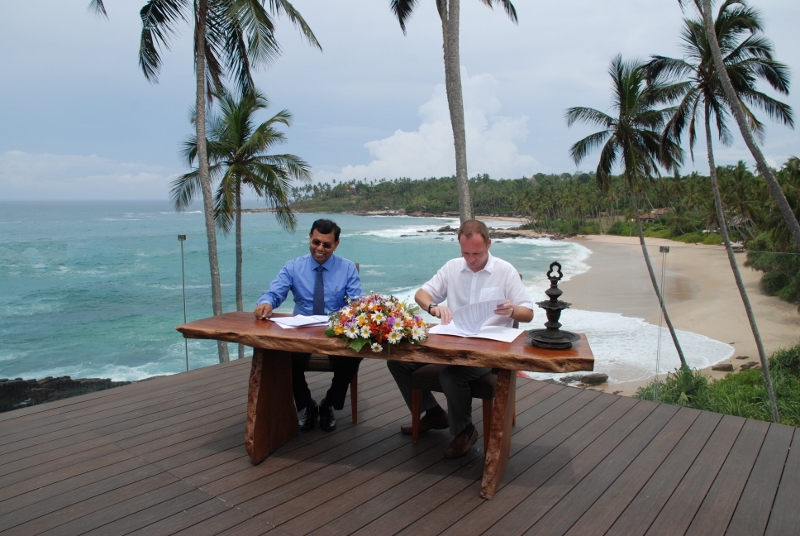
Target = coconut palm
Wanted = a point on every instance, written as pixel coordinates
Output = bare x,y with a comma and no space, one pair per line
633,138
229,37
238,153
449,14
747,57
785,208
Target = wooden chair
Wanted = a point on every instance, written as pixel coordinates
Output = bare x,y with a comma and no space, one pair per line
427,377
320,363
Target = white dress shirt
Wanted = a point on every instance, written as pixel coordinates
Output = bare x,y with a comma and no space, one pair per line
459,285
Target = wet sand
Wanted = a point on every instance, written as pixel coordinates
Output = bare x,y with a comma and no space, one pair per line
700,294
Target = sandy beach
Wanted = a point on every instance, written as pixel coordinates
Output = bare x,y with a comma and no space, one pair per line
700,293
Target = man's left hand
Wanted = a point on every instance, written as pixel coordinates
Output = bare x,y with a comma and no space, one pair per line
505,309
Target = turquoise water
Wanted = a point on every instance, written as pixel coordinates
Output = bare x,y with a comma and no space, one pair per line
93,289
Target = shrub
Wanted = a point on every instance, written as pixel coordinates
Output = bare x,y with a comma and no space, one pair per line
743,394
713,239
772,282
691,238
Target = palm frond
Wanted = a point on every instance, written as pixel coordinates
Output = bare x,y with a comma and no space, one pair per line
582,148
508,7
402,9
278,6
158,18
97,7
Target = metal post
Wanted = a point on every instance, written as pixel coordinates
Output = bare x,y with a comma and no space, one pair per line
181,238
663,250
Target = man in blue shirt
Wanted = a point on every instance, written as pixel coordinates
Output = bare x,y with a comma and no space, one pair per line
321,282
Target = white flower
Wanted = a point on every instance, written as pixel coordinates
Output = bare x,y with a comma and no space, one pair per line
376,347
351,332
365,333
394,337
417,333
378,318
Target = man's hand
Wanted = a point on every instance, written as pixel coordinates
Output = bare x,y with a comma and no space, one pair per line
263,311
505,309
443,312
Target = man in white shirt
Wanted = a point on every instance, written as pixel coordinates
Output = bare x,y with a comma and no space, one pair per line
475,276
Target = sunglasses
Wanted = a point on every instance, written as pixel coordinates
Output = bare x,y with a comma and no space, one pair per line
317,243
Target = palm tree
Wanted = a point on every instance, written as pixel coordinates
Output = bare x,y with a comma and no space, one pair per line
748,57
238,155
449,14
634,138
229,36
791,220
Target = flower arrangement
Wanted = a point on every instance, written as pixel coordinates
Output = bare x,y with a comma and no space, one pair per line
376,320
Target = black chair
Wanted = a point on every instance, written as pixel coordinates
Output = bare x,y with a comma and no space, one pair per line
320,363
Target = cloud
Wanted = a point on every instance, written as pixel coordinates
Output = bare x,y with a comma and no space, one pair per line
428,152
44,176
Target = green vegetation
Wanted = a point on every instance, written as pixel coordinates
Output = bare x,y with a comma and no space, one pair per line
743,393
238,153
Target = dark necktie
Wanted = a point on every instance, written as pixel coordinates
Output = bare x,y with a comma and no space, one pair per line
319,293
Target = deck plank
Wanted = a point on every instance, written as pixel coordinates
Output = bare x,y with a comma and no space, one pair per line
788,491
599,474
752,512
166,456
720,502
607,508
682,506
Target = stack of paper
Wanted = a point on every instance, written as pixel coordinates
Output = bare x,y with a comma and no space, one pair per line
468,322
300,321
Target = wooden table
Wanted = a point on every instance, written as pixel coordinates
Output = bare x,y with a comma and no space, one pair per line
271,414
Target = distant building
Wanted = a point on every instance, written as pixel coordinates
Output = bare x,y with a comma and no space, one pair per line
654,215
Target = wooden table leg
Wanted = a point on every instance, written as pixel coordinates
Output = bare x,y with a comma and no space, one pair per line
271,415
500,433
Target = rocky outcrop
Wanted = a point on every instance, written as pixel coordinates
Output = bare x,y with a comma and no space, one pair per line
19,393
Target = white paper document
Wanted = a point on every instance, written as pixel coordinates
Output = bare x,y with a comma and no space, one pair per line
495,333
471,317
300,321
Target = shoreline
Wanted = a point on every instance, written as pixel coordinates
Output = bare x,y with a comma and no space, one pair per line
699,291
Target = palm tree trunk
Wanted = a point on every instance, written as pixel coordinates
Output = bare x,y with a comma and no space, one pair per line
733,101
723,229
653,278
201,12
449,13
239,304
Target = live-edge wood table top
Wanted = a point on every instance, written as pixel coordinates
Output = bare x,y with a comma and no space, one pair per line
244,328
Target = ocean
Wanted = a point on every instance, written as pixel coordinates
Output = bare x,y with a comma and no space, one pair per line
94,289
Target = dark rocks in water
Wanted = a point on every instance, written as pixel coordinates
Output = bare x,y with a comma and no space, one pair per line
572,378
595,378
446,229
504,234
19,393
723,367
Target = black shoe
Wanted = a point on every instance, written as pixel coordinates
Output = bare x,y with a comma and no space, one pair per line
326,420
309,419
425,424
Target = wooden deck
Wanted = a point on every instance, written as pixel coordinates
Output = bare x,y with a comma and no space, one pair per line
166,456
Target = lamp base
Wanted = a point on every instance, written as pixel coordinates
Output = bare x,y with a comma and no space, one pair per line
551,339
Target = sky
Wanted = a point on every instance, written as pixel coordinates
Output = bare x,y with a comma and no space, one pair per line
80,121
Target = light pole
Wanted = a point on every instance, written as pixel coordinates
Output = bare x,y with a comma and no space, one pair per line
663,250
181,238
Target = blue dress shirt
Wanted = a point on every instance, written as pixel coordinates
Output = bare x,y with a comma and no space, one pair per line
340,279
